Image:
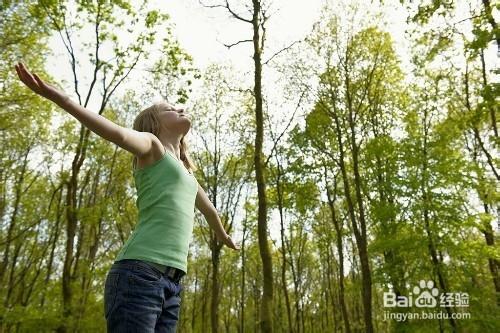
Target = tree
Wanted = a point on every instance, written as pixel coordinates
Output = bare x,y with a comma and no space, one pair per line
226,165
258,23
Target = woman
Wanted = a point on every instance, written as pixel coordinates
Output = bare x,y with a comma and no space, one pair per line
142,289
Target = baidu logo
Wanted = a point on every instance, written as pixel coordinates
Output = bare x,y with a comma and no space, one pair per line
425,295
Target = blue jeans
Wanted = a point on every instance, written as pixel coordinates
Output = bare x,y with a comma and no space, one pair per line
138,298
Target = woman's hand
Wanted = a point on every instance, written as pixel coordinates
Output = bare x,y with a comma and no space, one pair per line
229,243
32,81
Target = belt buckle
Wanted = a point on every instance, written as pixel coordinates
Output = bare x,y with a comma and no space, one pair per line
171,272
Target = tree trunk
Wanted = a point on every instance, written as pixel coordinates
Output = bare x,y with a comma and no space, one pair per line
426,199
242,285
340,250
266,318
359,231
493,263
214,304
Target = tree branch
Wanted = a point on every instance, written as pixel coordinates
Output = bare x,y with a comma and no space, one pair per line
276,141
283,49
238,42
97,61
236,15
228,8
68,46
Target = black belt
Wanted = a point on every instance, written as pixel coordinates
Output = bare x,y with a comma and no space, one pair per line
171,272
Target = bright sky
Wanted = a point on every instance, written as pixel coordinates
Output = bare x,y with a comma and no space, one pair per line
203,30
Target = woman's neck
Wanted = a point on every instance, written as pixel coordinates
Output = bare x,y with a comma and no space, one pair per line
172,143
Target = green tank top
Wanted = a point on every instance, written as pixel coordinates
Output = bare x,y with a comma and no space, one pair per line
166,194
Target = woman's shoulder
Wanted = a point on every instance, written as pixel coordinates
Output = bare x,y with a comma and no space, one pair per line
156,153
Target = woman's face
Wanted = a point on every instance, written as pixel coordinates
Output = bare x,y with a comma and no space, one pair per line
174,119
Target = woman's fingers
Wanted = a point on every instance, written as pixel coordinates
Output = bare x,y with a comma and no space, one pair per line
35,83
38,80
234,245
230,243
23,66
23,75
27,78
18,71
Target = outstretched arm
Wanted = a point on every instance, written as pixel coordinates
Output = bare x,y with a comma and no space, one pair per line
138,143
208,210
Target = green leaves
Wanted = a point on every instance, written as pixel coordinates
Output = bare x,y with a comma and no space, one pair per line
151,18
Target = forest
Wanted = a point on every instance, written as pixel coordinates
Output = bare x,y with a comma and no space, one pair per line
357,165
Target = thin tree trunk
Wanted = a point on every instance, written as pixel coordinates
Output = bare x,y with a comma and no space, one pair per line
283,247
242,286
426,199
193,312
13,219
204,302
489,105
214,304
491,20
359,235
494,264
266,318
340,250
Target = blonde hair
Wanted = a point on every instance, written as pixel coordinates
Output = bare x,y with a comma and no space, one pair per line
148,121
